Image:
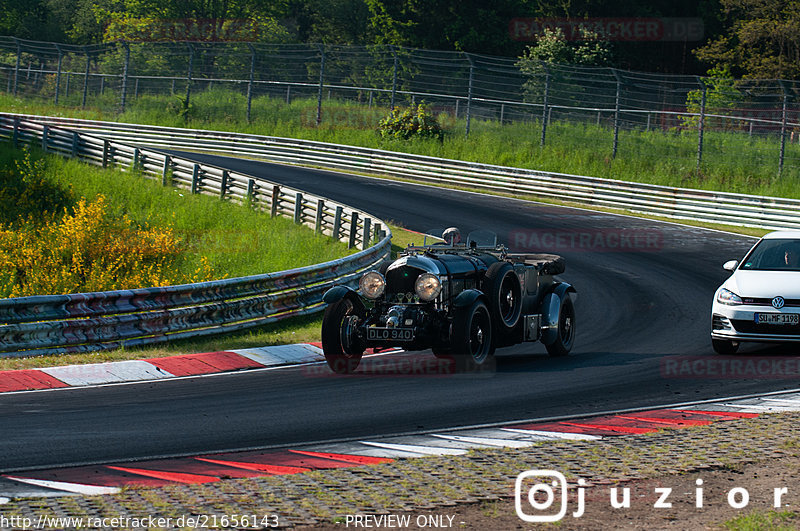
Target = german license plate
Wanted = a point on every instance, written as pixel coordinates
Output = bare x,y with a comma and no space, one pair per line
375,333
778,318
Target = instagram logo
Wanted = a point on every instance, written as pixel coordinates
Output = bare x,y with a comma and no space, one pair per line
537,490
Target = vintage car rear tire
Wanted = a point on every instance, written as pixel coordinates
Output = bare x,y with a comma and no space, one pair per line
503,289
471,339
565,336
341,359
725,347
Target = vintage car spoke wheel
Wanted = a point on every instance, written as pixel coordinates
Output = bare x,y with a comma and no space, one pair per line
725,346
504,291
340,345
565,335
472,341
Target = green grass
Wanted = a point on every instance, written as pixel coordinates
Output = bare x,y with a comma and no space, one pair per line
235,240
732,161
764,521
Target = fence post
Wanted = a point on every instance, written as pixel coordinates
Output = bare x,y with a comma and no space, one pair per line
58,71
86,80
319,216
223,186
188,79
701,124
337,223
16,65
45,134
321,79
251,191
298,208
616,113
276,198
66,88
195,178
15,133
125,67
783,129
165,179
353,230
469,93
544,106
394,75
136,155
365,238
252,78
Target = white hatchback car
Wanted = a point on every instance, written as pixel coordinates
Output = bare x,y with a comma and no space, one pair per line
761,299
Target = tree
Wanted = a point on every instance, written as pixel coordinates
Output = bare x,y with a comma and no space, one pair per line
761,40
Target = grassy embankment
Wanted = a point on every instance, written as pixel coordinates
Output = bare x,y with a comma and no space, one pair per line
67,227
731,161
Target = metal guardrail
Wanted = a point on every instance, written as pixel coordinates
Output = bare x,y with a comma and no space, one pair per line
49,324
677,203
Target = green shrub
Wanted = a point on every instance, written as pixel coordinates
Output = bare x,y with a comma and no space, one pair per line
411,123
27,190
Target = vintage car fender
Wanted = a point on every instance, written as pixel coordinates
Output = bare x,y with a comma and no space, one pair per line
551,307
337,293
467,297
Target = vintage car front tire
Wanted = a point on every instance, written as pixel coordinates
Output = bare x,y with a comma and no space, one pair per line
503,289
472,340
343,354
565,335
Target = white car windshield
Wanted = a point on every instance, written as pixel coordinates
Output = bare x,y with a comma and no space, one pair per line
773,255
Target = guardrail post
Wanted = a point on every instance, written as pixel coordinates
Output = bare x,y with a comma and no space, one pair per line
394,75
544,102
365,238
276,199
319,217
106,152
701,124
377,231
783,129
616,113
223,186
45,139
125,67
288,94
251,191
15,133
136,155
298,208
58,71
337,223
165,170
502,113
252,78
469,94
196,179
75,140
86,80
321,79
16,65
353,230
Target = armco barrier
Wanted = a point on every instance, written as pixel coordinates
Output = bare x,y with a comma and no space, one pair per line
678,203
49,324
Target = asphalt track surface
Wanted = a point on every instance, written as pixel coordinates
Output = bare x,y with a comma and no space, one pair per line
635,311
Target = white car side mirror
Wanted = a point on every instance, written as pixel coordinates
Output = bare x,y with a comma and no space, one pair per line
730,265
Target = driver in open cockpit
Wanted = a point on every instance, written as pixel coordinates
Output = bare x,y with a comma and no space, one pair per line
452,236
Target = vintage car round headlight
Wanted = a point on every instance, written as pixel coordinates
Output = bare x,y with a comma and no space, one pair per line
428,286
372,285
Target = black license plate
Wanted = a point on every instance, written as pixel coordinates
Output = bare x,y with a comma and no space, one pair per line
390,334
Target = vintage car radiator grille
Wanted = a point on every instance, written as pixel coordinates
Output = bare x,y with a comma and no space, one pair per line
402,279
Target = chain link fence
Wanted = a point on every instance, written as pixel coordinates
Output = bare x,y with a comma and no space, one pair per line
745,124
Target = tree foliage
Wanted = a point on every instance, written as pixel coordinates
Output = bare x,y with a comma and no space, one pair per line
761,40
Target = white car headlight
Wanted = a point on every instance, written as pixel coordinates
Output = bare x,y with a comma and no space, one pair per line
726,296
372,285
428,286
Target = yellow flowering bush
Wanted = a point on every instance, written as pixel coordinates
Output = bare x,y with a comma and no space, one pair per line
89,249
